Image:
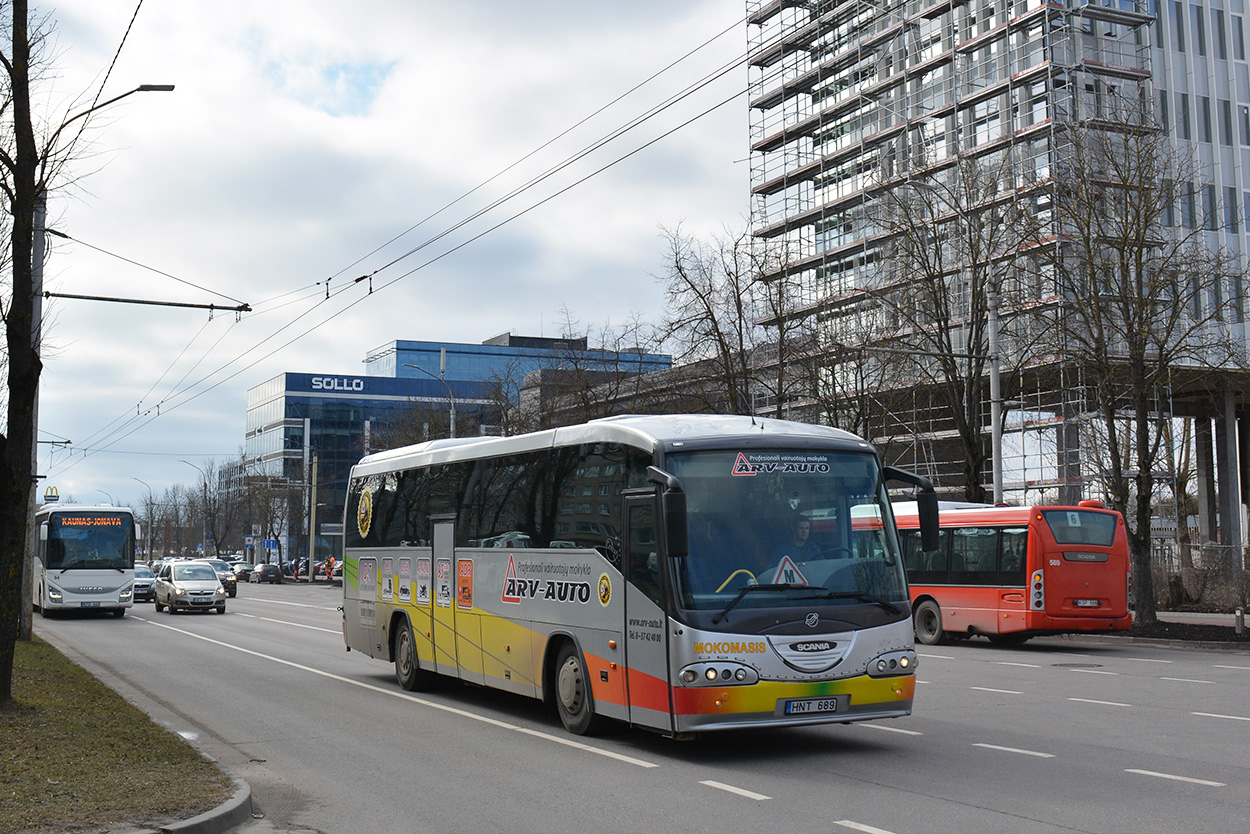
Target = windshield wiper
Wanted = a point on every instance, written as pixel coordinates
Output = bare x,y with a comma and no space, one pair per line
748,589
863,597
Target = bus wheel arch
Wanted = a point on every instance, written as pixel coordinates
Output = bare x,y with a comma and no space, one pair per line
567,687
408,672
927,622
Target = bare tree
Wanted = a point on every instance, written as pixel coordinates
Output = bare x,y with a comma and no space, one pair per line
947,249
1143,295
741,326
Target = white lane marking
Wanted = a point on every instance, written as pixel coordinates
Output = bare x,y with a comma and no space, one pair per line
1147,660
721,786
1094,672
859,826
1176,778
1103,703
936,656
1184,680
1025,665
503,725
1000,691
294,604
1217,715
288,623
891,729
1243,668
1016,750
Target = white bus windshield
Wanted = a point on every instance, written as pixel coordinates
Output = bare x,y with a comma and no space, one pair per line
802,525
89,541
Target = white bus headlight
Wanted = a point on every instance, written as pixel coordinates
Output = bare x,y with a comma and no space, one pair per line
718,673
892,664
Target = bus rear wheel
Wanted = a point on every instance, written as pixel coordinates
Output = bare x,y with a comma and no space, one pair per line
927,623
408,672
573,698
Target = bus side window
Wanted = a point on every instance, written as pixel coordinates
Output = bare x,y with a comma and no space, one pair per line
1012,569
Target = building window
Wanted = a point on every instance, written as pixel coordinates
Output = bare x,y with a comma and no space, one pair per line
1210,219
1219,33
1177,13
1226,122
1232,223
1243,112
1239,39
1182,116
1200,31
1165,123
1204,118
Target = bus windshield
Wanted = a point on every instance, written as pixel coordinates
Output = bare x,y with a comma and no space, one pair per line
798,526
90,540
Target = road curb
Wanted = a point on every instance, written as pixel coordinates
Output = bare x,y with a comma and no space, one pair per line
1155,641
228,815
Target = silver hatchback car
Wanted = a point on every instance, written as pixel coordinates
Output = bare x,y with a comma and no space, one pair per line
189,585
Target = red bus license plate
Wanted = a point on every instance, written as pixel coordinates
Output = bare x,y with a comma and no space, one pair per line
811,705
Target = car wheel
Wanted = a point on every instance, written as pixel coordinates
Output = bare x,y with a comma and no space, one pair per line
221,609
234,592
157,603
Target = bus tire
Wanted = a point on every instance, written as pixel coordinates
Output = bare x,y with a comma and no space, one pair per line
927,623
408,672
119,612
573,699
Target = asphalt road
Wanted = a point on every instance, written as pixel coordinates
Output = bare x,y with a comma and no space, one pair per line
1051,737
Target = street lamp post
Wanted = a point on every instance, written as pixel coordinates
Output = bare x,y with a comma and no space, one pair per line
204,482
151,511
112,503
442,377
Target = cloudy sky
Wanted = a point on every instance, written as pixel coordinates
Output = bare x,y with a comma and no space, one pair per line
304,141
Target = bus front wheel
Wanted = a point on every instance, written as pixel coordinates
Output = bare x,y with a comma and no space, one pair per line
573,699
927,622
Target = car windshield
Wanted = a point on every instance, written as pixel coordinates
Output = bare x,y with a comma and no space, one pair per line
143,572
192,573
802,525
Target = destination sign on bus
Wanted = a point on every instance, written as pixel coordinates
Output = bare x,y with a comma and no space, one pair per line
90,521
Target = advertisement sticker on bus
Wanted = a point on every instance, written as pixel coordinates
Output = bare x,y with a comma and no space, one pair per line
388,579
786,463
442,589
423,581
464,583
405,580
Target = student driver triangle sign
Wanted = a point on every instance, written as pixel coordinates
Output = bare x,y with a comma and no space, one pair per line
788,573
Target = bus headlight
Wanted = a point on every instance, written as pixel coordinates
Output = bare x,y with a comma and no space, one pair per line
892,664
718,673
126,592
54,594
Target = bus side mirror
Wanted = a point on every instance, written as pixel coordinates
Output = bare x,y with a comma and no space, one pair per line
138,533
43,532
673,507
926,505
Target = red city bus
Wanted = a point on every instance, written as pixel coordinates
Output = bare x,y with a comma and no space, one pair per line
1011,573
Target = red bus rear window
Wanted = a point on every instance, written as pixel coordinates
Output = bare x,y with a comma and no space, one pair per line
1081,527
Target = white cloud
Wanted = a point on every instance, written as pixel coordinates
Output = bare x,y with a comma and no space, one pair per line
304,134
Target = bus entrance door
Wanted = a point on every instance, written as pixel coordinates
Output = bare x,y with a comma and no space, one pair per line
646,655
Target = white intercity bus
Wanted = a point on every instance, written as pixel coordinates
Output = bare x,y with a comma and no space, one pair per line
641,569
84,558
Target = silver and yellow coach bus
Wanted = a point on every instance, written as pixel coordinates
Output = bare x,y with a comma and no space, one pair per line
681,573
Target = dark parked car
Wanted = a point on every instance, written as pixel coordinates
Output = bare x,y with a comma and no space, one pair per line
265,573
145,582
241,570
228,580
